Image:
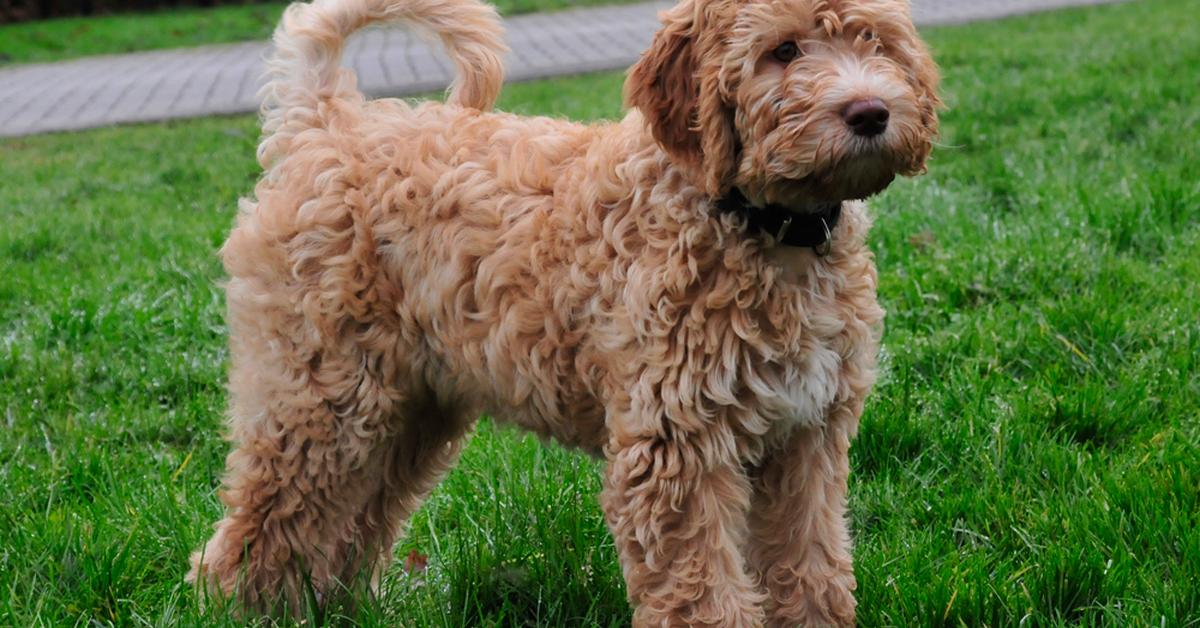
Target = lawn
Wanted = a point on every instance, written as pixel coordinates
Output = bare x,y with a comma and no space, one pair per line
1030,455
66,38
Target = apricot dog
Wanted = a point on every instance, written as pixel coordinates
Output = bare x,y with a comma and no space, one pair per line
685,292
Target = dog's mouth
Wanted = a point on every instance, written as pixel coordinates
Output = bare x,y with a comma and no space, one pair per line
853,185
814,193
864,171
858,172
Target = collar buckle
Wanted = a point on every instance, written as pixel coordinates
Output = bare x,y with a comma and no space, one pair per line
822,249
783,229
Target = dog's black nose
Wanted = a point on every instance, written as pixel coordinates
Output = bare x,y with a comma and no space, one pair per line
867,117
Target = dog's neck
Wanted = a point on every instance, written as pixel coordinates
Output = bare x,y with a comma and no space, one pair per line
811,229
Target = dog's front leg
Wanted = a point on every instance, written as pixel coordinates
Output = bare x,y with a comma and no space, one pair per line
799,543
677,512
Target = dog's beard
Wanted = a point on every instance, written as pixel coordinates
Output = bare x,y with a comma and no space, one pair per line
841,169
803,164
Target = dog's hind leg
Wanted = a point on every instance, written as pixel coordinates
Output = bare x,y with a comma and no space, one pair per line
431,436
323,465
799,543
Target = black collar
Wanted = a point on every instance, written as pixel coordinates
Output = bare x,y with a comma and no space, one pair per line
787,227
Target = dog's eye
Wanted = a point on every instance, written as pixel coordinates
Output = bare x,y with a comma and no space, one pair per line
868,36
786,52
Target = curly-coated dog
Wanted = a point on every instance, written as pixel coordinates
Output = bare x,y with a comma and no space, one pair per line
685,292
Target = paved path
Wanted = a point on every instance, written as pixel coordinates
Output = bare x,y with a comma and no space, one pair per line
140,87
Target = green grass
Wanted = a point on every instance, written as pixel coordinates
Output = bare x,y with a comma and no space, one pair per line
1031,454
67,38
70,37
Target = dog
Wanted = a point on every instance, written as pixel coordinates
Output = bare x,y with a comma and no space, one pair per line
685,293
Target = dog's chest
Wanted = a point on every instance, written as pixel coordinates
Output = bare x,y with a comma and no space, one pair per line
804,380
799,388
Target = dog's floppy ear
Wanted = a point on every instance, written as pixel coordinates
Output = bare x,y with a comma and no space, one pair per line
675,86
924,79
927,78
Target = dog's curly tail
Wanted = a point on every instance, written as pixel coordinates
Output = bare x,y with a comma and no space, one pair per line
304,67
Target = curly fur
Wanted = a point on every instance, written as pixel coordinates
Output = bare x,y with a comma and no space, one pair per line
402,269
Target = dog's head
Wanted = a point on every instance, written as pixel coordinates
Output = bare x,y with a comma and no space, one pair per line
794,102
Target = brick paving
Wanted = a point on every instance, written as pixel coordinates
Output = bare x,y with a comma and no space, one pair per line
169,84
